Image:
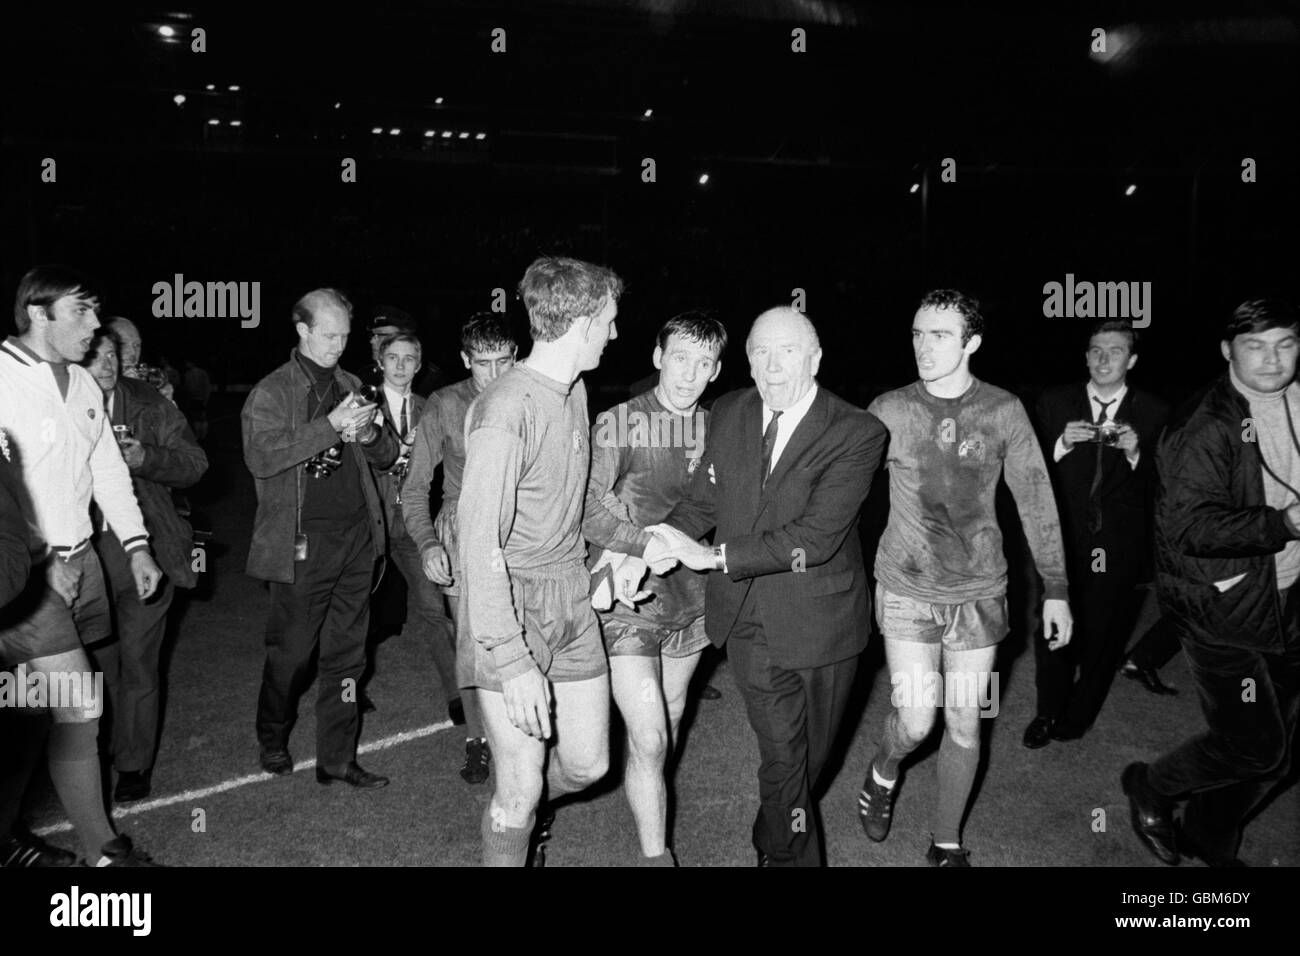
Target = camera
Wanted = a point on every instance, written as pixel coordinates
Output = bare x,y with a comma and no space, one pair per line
325,463
122,433
368,395
1106,433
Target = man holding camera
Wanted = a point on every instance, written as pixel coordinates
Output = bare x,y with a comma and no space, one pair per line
1099,439
319,529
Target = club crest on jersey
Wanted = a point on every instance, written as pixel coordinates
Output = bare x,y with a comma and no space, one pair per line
972,448
713,479
90,413
692,464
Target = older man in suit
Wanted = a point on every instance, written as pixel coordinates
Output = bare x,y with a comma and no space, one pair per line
161,453
1100,440
786,470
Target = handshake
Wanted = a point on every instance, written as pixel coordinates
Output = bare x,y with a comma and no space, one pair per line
618,577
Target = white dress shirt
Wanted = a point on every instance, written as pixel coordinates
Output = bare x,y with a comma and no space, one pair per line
395,400
1094,402
787,423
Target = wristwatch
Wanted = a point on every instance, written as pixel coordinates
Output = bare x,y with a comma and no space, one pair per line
719,558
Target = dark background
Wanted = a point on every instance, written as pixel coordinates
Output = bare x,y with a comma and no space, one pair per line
810,158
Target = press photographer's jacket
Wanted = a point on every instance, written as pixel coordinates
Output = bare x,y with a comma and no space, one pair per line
278,438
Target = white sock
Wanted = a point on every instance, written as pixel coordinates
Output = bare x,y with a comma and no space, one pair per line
881,781
948,846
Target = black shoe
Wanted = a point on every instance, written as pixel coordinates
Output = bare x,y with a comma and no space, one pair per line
353,776
456,711
1148,677
709,692
1189,846
365,704
22,849
541,836
478,756
1152,816
1064,730
121,852
276,760
876,806
940,856
1039,732
133,785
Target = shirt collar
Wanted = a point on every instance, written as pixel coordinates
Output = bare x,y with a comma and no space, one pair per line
795,412
1116,400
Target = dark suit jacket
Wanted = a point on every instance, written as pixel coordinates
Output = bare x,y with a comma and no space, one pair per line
1126,493
389,483
792,546
15,532
172,459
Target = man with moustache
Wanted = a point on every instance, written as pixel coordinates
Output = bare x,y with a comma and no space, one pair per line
786,469
52,414
319,529
161,453
940,571
643,455
1227,561
488,348
1100,439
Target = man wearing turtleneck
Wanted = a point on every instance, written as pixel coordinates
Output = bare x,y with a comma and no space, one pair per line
1227,559
316,537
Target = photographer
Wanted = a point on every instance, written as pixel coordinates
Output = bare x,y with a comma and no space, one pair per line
308,440
1099,439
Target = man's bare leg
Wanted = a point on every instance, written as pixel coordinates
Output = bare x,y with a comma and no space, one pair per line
640,700
519,759
677,674
912,718
580,756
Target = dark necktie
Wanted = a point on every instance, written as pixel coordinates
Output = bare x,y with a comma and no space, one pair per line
769,443
1094,493
402,433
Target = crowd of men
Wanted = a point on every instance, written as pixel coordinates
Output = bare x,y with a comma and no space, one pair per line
571,563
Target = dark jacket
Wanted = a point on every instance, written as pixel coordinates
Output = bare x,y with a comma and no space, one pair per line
172,459
390,485
15,532
1125,493
794,542
1212,524
278,438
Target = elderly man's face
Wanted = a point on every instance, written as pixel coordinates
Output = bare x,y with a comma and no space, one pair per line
783,358
103,365
131,344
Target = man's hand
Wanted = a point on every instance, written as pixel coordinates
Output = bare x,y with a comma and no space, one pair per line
528,703
146,573
64,579
1057,618
346,418
437,565
132,452
628,575
688,551
657,556
1076,432
1127,440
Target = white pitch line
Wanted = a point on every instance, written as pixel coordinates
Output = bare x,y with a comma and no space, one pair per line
189,796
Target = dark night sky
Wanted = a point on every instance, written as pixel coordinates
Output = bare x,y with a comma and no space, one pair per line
810,158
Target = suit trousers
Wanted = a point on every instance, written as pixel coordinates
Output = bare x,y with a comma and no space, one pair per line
326,607
130,664
1104,604
426,616
795,714
1246,749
